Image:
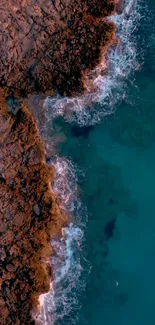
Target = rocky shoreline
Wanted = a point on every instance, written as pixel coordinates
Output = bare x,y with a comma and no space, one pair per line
29,214
49,47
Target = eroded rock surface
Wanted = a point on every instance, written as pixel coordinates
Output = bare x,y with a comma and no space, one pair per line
48,44
29,216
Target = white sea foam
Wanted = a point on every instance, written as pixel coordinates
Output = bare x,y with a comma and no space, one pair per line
67,260
110,88
87,109
65,184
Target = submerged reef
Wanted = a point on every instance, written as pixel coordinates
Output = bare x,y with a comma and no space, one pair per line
46,46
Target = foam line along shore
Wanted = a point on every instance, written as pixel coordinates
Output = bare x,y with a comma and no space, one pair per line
107,89
31,213
67,260
110,76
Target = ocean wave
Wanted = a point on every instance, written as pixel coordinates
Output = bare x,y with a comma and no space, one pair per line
67,260
109,88
60,304
65,184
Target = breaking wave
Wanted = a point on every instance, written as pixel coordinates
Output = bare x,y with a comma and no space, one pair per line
67,261
60,304
110,88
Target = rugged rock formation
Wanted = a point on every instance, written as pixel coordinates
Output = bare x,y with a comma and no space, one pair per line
51,44
46,45
29,216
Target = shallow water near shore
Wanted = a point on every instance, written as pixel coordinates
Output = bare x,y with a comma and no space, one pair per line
117,185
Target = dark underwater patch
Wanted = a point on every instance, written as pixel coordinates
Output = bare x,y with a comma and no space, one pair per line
109,229
81,131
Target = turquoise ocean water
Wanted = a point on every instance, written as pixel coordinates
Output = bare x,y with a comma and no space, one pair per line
115,165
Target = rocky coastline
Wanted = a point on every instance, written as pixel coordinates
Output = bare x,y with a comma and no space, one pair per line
48,47
29,214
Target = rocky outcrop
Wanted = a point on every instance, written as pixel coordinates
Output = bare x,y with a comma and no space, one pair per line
47,46
29,215
52,44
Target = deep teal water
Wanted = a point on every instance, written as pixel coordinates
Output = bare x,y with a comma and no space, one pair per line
117,157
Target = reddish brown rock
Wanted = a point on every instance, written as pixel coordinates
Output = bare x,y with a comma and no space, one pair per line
46,45
51,44
29,216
